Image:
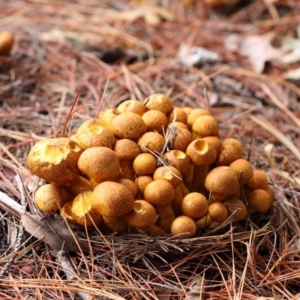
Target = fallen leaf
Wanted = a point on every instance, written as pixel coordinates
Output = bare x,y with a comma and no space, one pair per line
257,48
54,232
293,46
194,55
293,74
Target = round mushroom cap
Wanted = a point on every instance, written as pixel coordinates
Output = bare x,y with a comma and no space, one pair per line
184,226
194,205
99,163
160,102
51,197
112,199
222,181
55,160
143,215
237,207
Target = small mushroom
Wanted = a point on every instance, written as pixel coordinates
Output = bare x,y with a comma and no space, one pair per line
143,215
155,120
51,197
159,102
236,207
194,205
99,163
144,164
134,106
183,226
222,181
169,174
82,211
159,192
260,200
112,199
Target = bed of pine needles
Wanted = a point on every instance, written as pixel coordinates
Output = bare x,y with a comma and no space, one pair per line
102,51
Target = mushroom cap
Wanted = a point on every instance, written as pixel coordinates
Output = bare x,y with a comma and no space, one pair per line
236,206
132,105
259,180
206,125
222,181
55,159
185,226
201,153
243,168
82,211
51,197
6,42
181,139
143,215
142,182
152,141
155,120
160,102
194,205
106,118
218,212
179,160
169,173
95,136
144,164
128,125
166,216
231,150
99,163
195,113
260,200
112,199
181,115
126,149
159,192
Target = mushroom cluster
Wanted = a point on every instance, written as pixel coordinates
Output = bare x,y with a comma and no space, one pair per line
149,167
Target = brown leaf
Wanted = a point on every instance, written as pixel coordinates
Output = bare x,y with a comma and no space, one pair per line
258,49
54,232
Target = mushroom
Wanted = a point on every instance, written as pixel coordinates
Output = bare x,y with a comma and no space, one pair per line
179,160
99,164
151,142
128,125
51,197
218,212
159,192
194,114
155,120
169,174
259,180
55,160
222,181
194,205
177,115
201,153
180,139
142,182
159,102
94,136
166,217
243,168
82,211
260,200
126,149
205,125
183,226
236,207
112,199
144,164
134,106
143,215
231,150
6,42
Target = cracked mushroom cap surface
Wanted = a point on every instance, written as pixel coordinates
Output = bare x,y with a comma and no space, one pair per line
55,160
